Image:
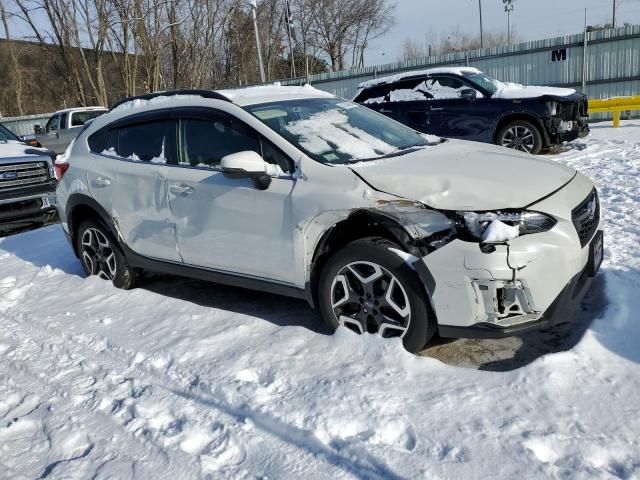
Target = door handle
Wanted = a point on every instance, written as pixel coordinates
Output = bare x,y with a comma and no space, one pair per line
384,110
101,182
436,109
181,190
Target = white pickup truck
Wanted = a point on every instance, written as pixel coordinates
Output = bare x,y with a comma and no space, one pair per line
64,126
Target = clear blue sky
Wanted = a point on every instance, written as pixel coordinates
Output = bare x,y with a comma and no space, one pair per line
531,19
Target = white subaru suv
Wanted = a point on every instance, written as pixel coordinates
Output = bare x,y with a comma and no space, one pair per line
293,191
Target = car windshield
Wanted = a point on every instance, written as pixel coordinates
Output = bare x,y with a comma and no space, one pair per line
331,130
484,81
6,135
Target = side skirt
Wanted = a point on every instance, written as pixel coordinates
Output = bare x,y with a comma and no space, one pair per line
214,276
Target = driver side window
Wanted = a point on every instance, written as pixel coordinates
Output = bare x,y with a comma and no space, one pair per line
52,124
204,142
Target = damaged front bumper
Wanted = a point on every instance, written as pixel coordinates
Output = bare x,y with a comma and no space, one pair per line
563,307
568,121
524,284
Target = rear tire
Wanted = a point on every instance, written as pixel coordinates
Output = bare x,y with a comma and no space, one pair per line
368,288
520,135
101,255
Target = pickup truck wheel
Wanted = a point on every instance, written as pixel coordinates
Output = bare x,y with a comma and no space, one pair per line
100,255
368,288
520,135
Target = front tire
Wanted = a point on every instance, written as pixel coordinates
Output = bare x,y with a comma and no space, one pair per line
520,135
366,287
100,255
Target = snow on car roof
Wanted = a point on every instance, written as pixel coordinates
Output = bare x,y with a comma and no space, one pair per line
79,109
414,73
239,96
271,93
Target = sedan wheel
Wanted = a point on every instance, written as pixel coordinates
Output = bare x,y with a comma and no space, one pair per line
366,297
521,135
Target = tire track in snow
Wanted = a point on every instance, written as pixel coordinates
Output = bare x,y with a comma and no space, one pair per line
122,405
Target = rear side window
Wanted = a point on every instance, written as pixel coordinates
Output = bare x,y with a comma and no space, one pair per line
376,94
98,140
143,142
414,90
79,118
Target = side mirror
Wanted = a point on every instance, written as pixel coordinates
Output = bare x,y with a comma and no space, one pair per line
468,93
246,164
37,129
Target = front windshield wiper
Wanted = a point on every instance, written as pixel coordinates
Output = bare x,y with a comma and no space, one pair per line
397,152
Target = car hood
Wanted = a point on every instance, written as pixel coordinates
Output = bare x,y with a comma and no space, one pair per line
12,151
517,91
460,175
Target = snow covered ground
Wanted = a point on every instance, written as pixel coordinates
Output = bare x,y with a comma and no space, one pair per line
182,379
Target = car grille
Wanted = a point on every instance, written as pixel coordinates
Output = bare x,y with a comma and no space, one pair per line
17,175
585,217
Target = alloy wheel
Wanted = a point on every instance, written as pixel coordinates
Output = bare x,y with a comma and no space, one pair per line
97,254
366,297
520,138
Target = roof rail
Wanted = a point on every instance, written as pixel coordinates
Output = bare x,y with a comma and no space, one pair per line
169,93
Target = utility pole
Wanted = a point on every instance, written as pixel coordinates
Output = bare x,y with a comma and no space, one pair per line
289,25
508,7
585,42
613,23
480,10
254,8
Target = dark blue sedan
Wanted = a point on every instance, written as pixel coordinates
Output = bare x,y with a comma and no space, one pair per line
463,102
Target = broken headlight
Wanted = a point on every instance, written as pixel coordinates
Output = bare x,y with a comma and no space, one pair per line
552,108
477,223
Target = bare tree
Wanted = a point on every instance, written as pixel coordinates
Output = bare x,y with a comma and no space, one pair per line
337,27
106,49
15,64
456,40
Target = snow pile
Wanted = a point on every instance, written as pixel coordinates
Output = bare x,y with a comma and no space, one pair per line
159,160
429,90
415,73
182,379
498,231
406,95
515,90
320,131
160,101
270,93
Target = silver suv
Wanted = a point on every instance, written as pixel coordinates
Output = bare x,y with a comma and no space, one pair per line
293,191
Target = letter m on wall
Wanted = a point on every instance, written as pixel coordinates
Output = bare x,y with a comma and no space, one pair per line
559,55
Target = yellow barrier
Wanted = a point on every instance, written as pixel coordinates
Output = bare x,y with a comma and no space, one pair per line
614,105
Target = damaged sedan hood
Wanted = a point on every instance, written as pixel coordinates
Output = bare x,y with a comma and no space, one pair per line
460,175
517,91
